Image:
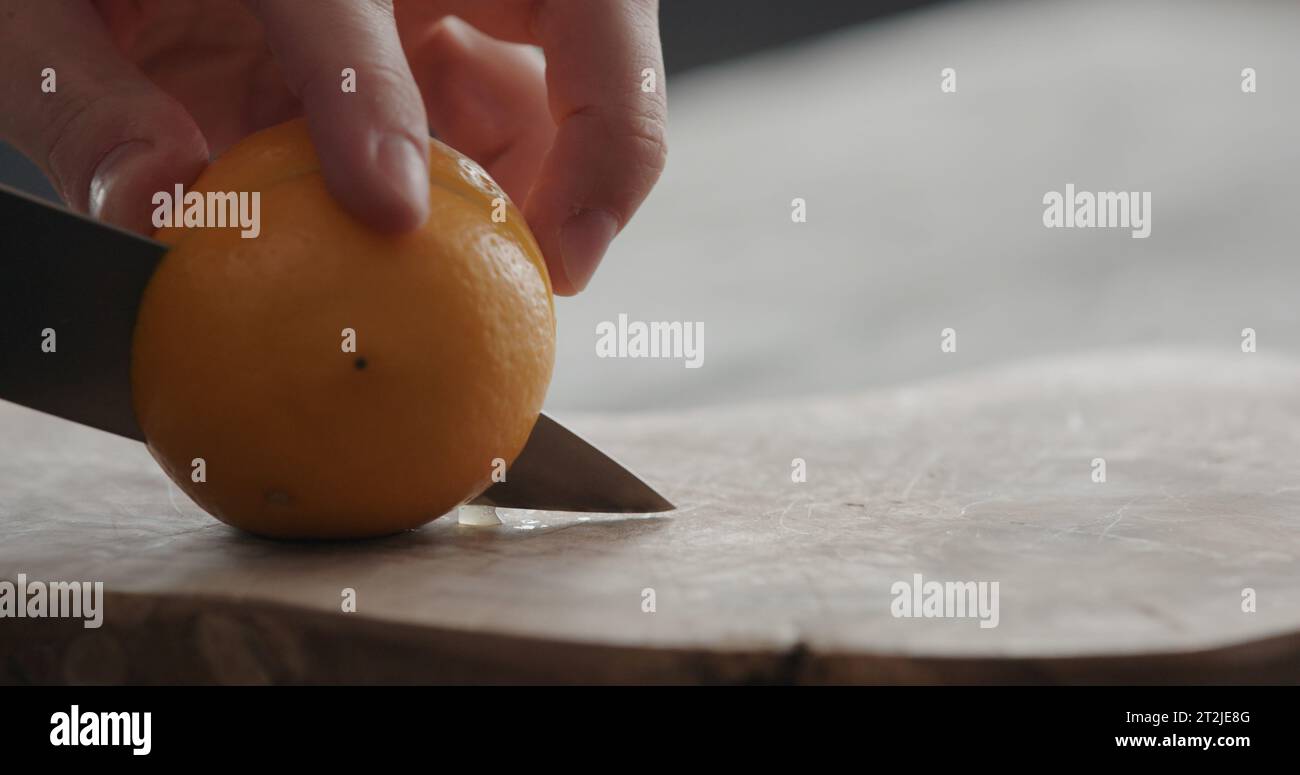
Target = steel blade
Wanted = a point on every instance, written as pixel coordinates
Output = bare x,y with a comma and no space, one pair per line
69,290
558,471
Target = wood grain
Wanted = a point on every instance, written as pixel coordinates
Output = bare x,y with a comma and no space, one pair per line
983,477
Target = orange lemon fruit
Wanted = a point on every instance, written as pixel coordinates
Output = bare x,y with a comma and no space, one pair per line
324,380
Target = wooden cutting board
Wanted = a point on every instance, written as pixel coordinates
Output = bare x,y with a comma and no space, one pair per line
755,578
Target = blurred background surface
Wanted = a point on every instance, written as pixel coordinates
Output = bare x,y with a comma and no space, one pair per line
703,32
925,208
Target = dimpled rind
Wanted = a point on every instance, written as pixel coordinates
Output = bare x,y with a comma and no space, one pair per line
238,357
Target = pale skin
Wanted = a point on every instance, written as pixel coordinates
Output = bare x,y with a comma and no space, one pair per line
150,90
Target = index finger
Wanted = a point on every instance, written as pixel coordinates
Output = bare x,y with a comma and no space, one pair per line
373,141
604,75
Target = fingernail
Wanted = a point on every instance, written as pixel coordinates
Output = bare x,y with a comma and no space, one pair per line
115,169
405,166
583,241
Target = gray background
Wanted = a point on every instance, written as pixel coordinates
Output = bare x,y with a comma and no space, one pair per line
925,208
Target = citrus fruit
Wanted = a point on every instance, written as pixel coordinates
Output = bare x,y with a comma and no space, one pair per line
324,380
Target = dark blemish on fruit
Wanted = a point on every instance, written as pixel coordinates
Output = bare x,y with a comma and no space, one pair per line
360,363
278,498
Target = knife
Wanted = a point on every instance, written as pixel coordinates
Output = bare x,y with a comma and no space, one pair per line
83,279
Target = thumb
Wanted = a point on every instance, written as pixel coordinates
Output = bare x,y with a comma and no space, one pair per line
106,136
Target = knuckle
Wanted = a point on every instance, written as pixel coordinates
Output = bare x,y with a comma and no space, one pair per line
389,73
447,43
646,132
639,134
323,83
67,125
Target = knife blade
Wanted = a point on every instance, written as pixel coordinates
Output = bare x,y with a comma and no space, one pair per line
543,477
70,288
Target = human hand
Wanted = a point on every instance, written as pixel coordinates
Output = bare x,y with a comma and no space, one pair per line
149,90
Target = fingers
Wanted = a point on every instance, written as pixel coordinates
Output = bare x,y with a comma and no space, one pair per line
373,143
106,136
485,98
610,147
